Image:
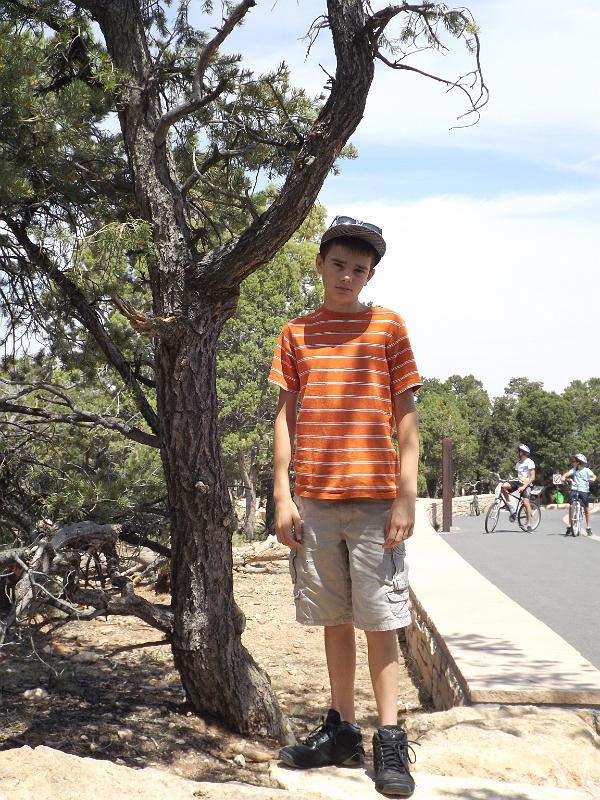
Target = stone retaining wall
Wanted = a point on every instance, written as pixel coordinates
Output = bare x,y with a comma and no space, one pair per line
435,667
425,645
460,507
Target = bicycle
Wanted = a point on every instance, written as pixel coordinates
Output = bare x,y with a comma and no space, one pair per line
474,505
518,513
575,513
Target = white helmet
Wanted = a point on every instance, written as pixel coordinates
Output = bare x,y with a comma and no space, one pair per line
524,448
580,457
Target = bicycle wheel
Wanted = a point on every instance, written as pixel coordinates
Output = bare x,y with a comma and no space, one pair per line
492,516
576,517
536,516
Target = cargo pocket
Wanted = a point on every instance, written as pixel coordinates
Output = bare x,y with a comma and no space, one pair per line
397,581
292,566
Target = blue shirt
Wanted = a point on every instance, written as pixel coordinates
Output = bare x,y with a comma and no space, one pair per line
581,479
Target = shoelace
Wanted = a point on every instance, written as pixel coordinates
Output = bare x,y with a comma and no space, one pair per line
316,735
394,751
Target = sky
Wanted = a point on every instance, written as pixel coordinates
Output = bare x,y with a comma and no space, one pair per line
492,230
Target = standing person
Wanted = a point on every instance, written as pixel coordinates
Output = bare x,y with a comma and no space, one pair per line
353,369
581,476
525,469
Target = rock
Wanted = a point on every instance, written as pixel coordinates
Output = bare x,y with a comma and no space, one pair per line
239,760
85,657
248,750
35,694
529,744
47,774
125,735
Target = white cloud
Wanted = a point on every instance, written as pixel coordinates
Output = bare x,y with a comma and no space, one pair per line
498,288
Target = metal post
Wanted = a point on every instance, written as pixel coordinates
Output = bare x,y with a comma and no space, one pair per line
447,480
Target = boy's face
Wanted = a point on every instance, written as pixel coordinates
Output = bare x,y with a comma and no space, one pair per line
345,273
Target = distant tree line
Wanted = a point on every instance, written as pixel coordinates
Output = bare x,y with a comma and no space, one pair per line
487,431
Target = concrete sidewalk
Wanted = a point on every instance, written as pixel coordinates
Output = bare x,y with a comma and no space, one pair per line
499,652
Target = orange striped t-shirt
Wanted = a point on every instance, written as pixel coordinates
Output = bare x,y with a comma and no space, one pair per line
346,368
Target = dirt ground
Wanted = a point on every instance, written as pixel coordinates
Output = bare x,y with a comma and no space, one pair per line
107,689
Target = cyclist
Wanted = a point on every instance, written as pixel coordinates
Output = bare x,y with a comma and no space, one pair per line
525,469
581,476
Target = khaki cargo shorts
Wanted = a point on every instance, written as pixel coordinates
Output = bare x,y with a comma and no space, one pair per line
342,573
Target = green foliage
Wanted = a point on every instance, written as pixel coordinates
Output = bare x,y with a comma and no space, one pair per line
69,472
499,438
486,435
52,143
546,422
444,413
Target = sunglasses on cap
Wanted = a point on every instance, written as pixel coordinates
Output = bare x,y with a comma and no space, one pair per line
351,221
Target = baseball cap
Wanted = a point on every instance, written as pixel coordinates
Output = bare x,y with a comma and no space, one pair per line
354,228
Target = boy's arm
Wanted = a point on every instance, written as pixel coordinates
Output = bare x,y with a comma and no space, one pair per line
288,525
566,474
401,519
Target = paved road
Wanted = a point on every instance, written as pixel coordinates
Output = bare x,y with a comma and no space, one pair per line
554,577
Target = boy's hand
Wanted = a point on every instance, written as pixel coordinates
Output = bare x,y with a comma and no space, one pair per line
400,521
288,524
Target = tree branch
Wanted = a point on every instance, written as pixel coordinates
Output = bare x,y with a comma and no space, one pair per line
154,614
378,21
199,98
78,416
169,118
226,266
88,317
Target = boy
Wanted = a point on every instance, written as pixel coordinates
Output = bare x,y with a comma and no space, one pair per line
581,476
525,469
354,502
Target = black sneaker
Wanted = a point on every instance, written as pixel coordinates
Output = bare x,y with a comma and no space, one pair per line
391,759
588,531
569,531
333,742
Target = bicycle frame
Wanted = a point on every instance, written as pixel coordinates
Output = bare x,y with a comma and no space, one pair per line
575,512
576,515
518,513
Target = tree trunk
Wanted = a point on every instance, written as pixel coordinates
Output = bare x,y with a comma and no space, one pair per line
219,675
249,480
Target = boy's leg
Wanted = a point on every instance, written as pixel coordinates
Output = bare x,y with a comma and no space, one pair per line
322,593
383,666
339,740
381,606
391,758
340,649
